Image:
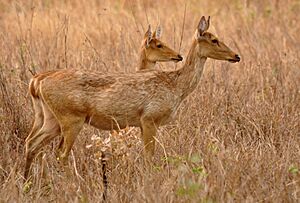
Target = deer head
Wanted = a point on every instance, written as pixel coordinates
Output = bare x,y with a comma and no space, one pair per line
157,51
210,46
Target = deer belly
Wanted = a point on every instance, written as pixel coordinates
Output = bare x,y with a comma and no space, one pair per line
105,122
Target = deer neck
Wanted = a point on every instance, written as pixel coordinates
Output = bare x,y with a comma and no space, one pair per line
189,75
145,63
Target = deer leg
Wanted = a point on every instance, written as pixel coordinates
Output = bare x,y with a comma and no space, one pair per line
39,121
59,149
35,143
38,118
148,132
70,129
37,140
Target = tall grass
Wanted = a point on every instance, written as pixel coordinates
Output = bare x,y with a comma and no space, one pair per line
235,139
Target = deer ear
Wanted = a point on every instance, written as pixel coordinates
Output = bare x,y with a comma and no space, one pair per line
208,22
148,36
158,32
203,25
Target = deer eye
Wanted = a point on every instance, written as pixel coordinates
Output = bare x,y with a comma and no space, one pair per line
159,46
215,41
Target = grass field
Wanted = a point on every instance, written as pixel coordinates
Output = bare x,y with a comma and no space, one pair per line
235,139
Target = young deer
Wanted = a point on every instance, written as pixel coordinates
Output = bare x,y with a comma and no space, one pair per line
146,99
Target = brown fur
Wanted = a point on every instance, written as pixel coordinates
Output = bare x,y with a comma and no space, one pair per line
146,99
35,83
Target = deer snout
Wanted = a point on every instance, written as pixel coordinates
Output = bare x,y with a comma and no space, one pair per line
235,59
178,58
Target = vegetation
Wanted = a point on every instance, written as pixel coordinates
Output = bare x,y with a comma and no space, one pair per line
235,139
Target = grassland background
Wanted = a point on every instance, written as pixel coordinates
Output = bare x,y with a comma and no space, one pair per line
235,139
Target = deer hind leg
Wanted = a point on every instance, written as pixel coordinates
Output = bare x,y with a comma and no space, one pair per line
148,129
70,128
49,130
59,149
39,121
38,117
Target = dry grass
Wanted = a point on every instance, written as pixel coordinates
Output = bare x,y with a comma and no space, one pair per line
236,138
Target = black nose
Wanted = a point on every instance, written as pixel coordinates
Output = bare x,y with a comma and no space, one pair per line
180,57
237,57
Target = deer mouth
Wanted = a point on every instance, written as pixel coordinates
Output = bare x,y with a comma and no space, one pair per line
233,60
180,58
236,59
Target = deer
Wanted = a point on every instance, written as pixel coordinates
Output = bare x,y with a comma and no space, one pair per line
146,99
152,50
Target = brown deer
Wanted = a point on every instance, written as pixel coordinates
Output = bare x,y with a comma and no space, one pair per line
146,99
152,50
